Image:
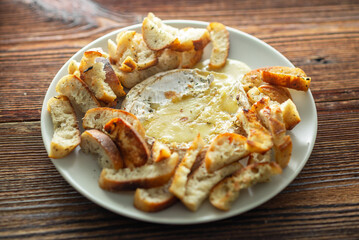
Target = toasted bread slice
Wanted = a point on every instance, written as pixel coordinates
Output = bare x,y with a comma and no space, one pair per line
98,143
220,39
132,146
272,118
160,151
154,199
178,186
157,34
294,78
201,182
225,149
275,93
78,93
111,78
98,117
66,132
146,176
258,137
227,191
290,114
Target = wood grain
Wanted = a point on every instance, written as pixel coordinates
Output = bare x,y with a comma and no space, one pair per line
38,37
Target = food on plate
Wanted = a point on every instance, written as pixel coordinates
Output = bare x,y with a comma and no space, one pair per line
225,192
98,143
131,144
200,183
66,135
154,199
220,39
180,178
160,151
146,176
259,140
226,148
96,118
159,35
185,128
78,93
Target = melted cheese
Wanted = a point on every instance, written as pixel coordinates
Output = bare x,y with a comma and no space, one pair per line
208,110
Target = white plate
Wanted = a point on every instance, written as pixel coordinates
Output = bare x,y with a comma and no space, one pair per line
82,172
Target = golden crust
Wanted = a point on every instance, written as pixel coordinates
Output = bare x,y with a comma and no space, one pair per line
132,146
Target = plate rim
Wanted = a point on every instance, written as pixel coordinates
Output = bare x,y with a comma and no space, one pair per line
148,218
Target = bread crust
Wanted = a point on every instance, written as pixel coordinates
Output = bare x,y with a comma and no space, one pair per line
220,39
147,176
99,140
64,121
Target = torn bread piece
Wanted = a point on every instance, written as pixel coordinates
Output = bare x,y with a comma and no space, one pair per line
290,113
78,93
146,176
225,149
66,135
160,151
220,39
98,143
178,186
157,34
132,145
154,199
201,182
98,117
73,68
294,78
227,191
259,139
272,118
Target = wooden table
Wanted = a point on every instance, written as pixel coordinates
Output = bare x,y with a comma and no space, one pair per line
37,38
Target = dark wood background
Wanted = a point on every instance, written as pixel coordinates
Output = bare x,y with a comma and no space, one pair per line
38,36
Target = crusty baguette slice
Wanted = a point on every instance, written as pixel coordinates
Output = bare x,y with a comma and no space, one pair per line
294,78
290,114
225,149
111,78
78,93
275,93
254,77
272,118
146,176
160,151
98,143
98,117
154,199
201,182
66,133
132,145
258,137
227,191
157,34
220,39
178,186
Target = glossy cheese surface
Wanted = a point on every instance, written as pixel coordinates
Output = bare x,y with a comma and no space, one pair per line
177,105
